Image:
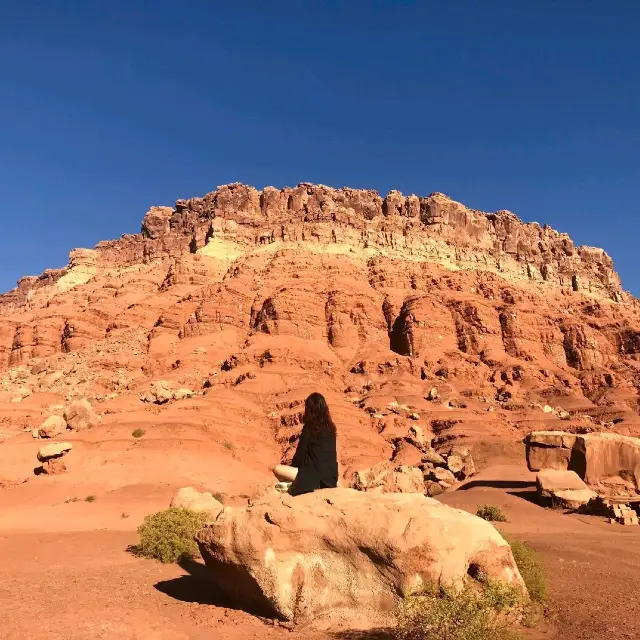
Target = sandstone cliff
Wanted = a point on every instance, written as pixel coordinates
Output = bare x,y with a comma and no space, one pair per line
253,299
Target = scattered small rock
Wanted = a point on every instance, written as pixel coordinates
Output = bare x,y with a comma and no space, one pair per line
190,498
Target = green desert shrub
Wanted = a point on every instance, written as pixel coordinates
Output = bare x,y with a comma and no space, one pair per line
491,513
168,535
478,612
532,569
138,433
90,499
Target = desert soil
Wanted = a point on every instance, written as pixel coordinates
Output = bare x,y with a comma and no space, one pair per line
74,578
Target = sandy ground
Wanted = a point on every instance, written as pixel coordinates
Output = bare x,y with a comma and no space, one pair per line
82,584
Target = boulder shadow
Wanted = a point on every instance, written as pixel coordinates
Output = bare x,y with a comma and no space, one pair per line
498,484
530,496
197,586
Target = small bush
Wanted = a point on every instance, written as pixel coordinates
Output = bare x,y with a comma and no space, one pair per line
68,500
471,614
531,568
138,433
229,445
491,513
90,499
168,535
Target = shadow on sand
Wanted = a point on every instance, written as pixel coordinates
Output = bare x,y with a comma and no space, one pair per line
498,484
197,586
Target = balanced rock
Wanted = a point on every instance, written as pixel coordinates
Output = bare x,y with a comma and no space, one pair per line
342,555
190,498
565,489
53,426
54,450
80,415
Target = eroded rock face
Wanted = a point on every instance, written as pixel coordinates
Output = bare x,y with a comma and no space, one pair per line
340,554
448,326
602,460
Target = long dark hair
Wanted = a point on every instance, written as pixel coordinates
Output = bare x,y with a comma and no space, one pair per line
317,417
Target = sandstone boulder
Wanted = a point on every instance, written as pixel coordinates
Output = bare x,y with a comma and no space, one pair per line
190,498
160,392
182,394
564,489
342,555
53,426
80,415
440,474
600,459
433,457
384,477
417,436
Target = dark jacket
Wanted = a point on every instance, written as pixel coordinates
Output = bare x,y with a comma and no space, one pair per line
317,462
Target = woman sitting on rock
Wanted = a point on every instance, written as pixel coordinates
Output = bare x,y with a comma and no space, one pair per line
315,463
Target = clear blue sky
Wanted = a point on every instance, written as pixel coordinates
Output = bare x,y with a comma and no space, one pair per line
108,107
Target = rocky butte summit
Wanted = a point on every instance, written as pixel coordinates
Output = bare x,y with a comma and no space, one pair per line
418,229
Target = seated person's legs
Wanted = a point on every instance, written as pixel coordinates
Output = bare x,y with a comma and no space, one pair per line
285,473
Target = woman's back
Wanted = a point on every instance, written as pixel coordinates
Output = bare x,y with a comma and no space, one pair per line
316,456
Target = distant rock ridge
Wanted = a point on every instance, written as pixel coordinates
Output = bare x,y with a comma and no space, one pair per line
431,229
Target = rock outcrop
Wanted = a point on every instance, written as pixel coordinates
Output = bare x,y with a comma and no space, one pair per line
340,554
564,489
605,461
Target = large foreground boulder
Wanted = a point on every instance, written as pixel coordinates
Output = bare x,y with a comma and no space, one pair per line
602,460
344,556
